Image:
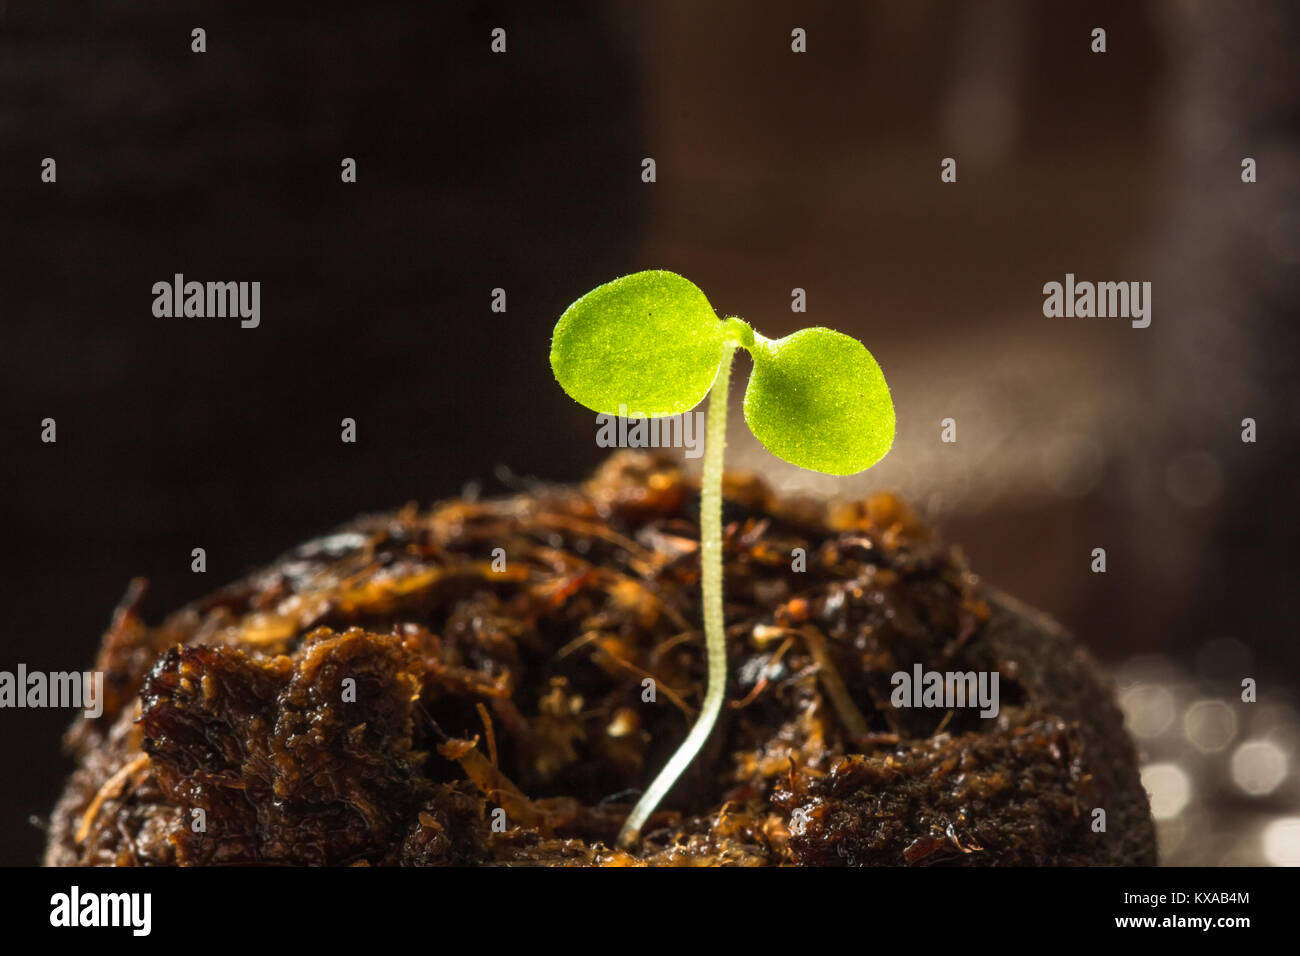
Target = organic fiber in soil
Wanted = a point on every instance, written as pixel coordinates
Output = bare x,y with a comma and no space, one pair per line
472,685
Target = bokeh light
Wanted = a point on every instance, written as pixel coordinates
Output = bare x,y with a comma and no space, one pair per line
1210,725
1149,710
1259,767
1280,841
1169,787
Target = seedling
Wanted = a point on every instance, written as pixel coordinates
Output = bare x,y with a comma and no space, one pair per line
651,342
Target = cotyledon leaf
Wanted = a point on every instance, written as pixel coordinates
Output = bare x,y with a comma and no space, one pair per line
645,345
817,399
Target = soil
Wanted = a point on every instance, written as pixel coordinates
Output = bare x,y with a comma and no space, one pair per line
471,685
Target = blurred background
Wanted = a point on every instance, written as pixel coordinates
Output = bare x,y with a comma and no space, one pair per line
775,170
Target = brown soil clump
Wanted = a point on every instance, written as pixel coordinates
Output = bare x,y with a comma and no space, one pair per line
403,692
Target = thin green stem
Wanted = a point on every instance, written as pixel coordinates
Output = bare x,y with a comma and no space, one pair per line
715,442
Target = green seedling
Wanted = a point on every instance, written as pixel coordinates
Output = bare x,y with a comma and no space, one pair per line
651,342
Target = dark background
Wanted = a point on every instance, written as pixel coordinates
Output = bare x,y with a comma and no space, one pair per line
775,170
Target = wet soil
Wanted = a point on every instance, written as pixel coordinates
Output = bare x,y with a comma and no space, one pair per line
490,682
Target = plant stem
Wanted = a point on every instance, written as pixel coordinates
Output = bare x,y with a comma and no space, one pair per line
715,639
